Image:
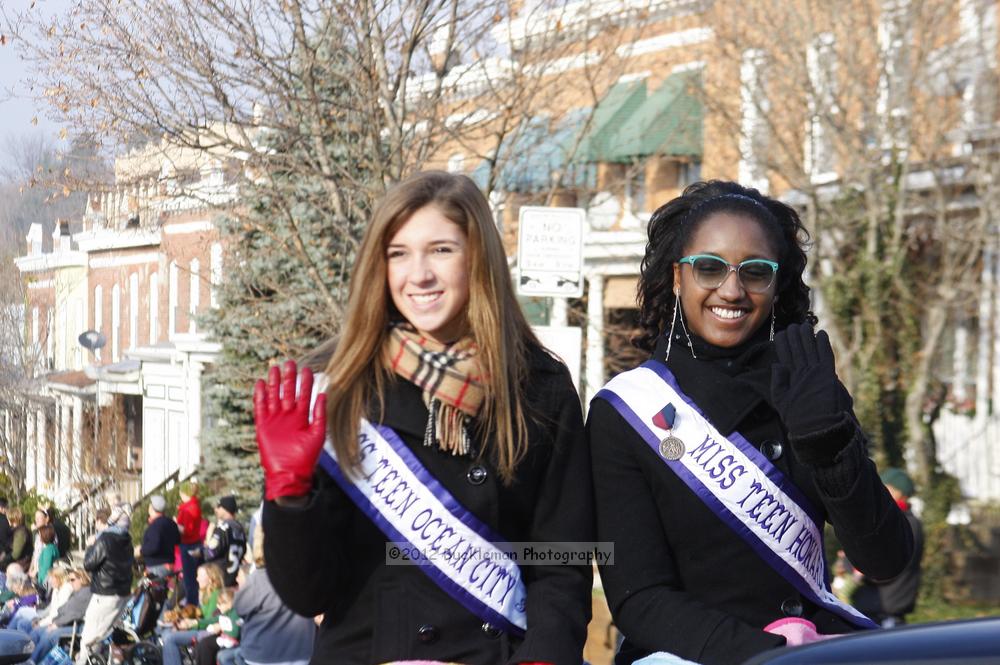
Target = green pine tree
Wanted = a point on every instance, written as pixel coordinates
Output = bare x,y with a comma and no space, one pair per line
290,245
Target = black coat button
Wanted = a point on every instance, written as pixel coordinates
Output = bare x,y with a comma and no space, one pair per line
490,630
428,634
772,449
791,607
477,475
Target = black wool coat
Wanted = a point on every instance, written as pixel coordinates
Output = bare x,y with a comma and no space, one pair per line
329,558
683,581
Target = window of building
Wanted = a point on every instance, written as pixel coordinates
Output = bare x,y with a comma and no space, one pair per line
216,268
893,94
193,300
688,173
635,188
456,163
754,132
79,327
978,32
116,320
98,313
133,310
821,62
36,333
172,287
50,338
64,319
154,307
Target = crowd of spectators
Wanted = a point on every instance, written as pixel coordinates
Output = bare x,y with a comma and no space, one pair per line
223,610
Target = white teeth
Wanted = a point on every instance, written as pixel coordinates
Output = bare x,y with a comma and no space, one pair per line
424,298
728,313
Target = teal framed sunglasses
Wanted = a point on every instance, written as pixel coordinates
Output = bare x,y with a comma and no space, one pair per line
756,275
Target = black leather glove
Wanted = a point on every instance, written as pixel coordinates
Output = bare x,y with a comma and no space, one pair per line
805,390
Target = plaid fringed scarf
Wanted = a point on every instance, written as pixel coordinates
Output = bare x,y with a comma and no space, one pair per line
450,377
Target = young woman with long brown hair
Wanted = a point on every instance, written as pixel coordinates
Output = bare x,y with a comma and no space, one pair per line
451,433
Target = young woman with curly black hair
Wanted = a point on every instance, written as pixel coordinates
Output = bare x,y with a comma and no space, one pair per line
717,463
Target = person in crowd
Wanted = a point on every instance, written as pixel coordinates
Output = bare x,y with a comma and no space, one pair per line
64,538
253,528
11,573
271,633
227,541
6,535
189,525
889,602
21,543
49,553
60,591
109,561
159,539
717,462
21,605
46,514
41,519
223,634
121,510
438,375
210,583
67,619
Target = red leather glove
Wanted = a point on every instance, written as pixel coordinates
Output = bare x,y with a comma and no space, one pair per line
289,444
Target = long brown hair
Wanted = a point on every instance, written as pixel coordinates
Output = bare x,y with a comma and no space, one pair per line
357,371
215,579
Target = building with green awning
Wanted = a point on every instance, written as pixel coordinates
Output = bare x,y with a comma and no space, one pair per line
668,123
627,126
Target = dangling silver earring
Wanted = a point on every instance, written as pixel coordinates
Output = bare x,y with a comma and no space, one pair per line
684,328
673,320
772,322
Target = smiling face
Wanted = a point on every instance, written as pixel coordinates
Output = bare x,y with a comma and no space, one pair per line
428,274
202,577
728,315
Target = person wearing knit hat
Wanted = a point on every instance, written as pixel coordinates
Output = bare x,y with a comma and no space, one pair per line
896,478
228,503
889,601
226,542
121,511
159,539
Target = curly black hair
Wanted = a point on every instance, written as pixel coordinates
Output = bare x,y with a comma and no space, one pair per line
673,224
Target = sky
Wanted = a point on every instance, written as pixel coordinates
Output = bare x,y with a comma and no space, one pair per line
17,112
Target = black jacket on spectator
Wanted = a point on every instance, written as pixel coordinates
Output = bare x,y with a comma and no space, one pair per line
5,537
683,581
330,558
225,548
109,561
159,540
64,537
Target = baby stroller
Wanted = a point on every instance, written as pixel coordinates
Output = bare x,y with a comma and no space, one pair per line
133,638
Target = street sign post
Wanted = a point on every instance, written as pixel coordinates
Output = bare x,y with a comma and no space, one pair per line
550,252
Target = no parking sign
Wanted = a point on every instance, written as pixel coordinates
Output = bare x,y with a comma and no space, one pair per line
550,252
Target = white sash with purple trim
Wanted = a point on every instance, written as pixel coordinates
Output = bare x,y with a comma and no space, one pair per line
741,486
450,545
